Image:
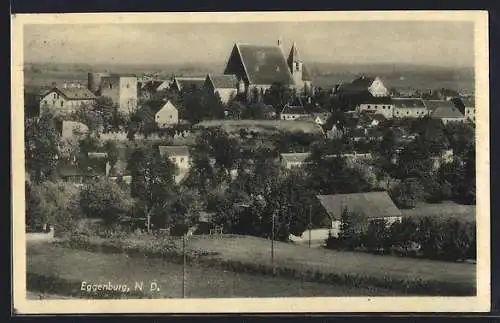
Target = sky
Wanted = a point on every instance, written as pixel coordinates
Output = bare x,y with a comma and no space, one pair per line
414,42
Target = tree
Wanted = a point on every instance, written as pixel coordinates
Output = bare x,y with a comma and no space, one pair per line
375,237
278,95
406,194
49,202
352,227
105,200
153,181
89,116
430,237
41,146
404,234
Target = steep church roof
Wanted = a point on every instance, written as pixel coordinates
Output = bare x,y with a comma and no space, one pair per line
262,64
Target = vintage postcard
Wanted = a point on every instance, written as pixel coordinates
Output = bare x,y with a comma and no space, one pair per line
251,162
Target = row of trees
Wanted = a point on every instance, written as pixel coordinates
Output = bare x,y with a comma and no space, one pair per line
426,237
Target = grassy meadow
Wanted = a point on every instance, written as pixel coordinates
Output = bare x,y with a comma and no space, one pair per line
61,277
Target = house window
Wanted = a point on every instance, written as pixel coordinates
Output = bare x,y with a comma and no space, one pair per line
55,95
44,101
128,85
407,112
110,85
368,106
182,159
62,103
170,116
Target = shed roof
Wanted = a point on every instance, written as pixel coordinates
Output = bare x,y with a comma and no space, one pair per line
370,205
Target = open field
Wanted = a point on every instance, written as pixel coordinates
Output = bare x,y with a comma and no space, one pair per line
444,210
246,254
255,250
269,126
57,270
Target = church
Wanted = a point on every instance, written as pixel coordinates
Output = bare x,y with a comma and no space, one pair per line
258,67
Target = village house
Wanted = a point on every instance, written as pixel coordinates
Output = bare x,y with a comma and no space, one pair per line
371,205
225,86
179,155
409,108
293,112
364,84
83,170
377,105
167,115
294,160
445,111
66,99
259,67
122,90
150,88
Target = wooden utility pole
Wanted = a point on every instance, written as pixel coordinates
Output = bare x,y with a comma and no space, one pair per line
272,241
183,266
310,224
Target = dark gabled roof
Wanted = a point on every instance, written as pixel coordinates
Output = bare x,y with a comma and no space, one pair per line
223,81
186,82
370,205
267,108
294,109
74,93
173,150
446,112
264,64
408,103
434,104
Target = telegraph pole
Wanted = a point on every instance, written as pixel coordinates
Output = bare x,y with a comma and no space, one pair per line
272,241
183,266
310,224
